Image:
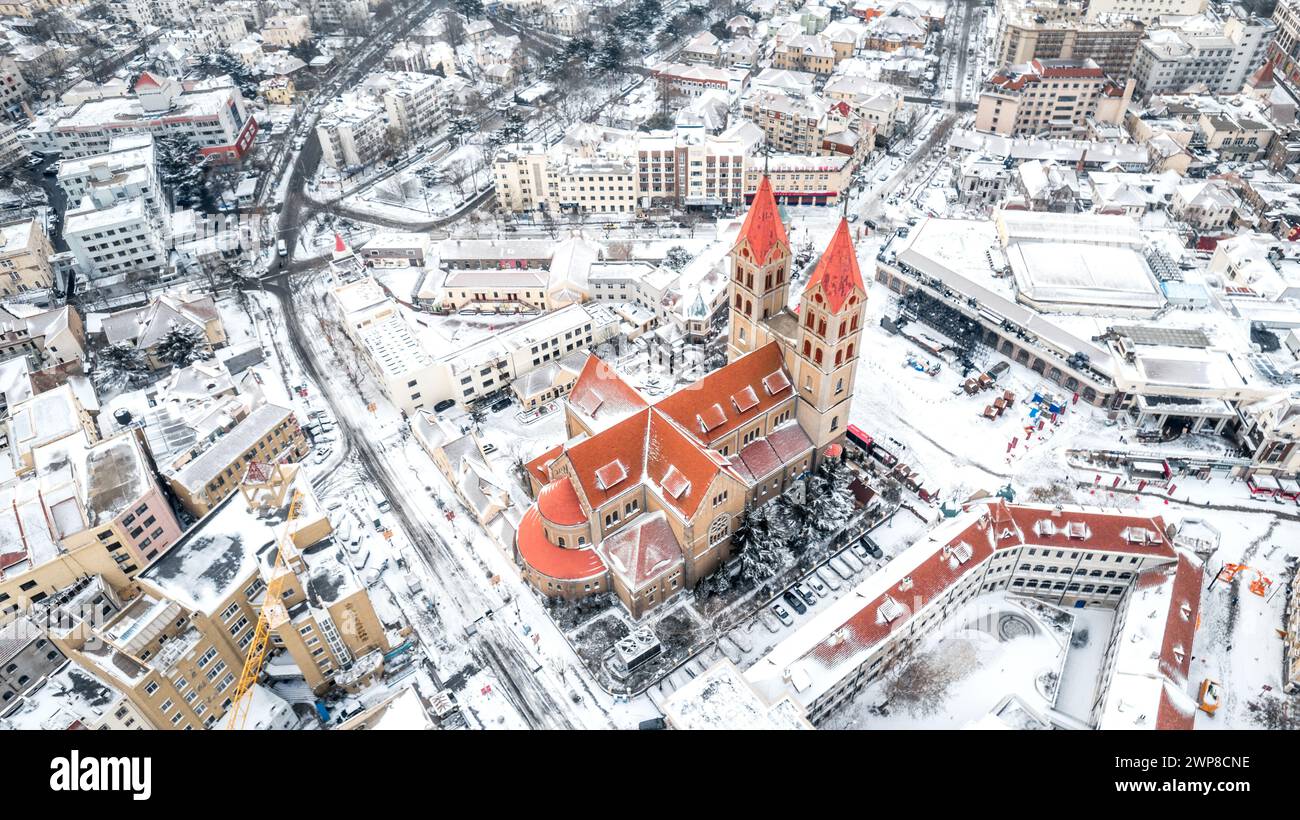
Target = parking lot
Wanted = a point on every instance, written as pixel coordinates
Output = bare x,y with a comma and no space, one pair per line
835,577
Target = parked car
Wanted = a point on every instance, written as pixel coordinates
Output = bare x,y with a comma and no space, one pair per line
827,577
498,406
817,585
489,448
782,614
851,560
806,594
795,601
321,455
873,549
445,404
840,568
861,551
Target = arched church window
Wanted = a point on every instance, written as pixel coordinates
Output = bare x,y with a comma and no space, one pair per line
719,529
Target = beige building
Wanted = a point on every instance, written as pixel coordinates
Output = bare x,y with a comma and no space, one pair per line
269,434
286,30
88,508
25,253
177,648
1050,97
803,180
145,328
1057,31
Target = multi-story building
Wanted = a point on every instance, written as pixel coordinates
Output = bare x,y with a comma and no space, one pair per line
1056,97
1291,647
176,647
1058,31
1065,558
809,125
643,497
801,180
1221,54
692,168
13,89
1144,11
25,253
44,337
211,112
286,30
813,53
127,170
111,242
269,434
352,131
88,508
692,81
416,104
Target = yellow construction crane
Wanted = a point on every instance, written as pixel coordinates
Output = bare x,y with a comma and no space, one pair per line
273,611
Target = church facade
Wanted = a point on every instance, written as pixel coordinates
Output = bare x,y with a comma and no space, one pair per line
643,497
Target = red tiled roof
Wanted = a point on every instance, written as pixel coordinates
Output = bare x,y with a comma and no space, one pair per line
643,551
763,227
649,445
1180,632
537,467
837,273
695,401
550,560
600,394
146,79
559,504
1006,527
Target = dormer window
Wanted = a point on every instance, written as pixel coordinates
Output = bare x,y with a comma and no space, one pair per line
676,484
713,416
745,400
1078,530
775,382
610,475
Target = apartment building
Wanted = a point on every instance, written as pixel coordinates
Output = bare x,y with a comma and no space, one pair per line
1221,54
1059,31
1145,11
1054,97
108,243
1291,648
211,112
286,30
25,253
690,168
127,170
13,89
416,104
352,132
269,434
809,125
1064,557
87,508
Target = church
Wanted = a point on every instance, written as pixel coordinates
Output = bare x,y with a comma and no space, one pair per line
643,496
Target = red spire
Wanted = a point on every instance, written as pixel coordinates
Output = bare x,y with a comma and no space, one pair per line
837,272
339,247
763,227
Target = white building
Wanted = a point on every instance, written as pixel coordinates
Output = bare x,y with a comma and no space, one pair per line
115,241
352,131
211,112
128,170
1221,53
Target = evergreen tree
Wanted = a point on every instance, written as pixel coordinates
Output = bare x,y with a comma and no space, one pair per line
610,57
119,367
459,128
469,8
677,258
227,63
183,345
180,169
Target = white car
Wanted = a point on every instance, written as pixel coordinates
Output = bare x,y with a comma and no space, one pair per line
321,455
783,614
817,585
